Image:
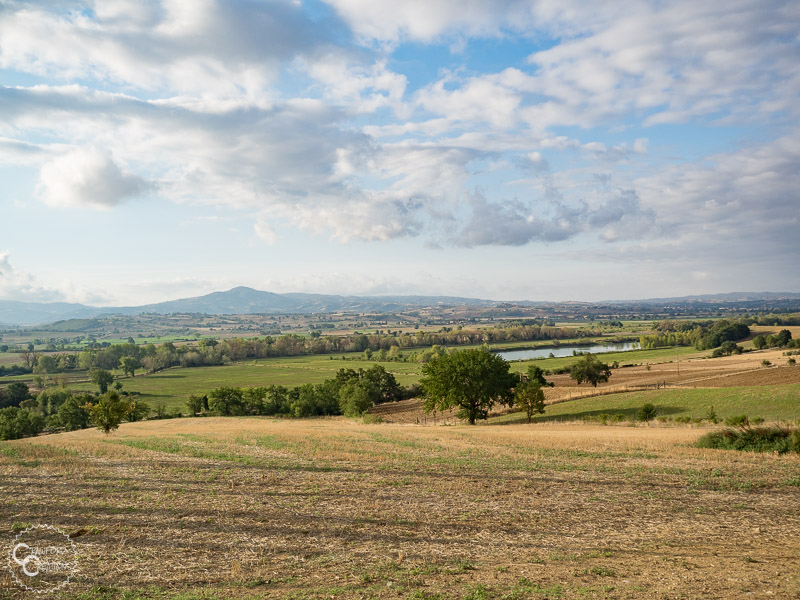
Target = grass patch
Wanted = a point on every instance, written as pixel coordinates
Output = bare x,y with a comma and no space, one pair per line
753,439
773,402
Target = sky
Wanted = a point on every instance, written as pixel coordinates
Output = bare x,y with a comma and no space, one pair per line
502,149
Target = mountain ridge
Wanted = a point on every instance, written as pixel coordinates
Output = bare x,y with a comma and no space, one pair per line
246,300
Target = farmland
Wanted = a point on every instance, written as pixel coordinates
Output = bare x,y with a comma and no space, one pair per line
568,507
252,507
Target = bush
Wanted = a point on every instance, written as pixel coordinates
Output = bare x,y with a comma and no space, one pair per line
711,415
756,439
737,421
647,412
71,413
16,423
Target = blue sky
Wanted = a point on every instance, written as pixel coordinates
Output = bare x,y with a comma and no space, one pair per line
506,149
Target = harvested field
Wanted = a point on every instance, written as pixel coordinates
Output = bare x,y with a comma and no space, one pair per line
253,508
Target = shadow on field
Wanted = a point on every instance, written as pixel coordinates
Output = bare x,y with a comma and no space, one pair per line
629,414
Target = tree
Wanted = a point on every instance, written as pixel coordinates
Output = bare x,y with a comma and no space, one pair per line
760,342
30,357
129,364
108,411
590,369
46,364
72,415
537,374
529,396
472,380
101,378
356,398
138,411
16,423
15,394
227,401
783,337
194,404
388,388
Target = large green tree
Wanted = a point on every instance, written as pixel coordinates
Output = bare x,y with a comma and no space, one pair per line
102,379
108,411
15,394
590,369
471,380
129,364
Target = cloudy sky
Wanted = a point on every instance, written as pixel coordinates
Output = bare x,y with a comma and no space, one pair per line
505,149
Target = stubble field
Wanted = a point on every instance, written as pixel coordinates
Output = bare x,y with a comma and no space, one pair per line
255,507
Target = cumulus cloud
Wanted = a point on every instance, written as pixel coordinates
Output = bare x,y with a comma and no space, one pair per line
205,46
345,150
87,177
514,222
745,202
421,20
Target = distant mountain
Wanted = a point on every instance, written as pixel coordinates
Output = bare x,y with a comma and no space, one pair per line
13,312
239,300
728,297
244,300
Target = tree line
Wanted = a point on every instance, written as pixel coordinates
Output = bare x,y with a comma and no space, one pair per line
351,393
23,415
703,335
210,352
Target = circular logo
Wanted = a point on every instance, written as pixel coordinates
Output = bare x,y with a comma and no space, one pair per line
42,559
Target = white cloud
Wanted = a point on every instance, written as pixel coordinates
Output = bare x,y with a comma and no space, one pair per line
424,20
22,286
206,47
87,177
265,231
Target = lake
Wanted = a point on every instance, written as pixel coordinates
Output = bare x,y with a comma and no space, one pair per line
563,351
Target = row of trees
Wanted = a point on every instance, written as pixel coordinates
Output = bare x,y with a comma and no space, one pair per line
782,339
351,392
60,409
701,334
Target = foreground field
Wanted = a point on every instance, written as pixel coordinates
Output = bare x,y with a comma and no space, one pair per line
253,508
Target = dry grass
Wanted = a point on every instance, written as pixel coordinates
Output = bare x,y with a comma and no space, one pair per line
229,508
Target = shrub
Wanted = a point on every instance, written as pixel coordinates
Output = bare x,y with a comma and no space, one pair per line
711,415
737,421
755,439
16,423
647,412
72,415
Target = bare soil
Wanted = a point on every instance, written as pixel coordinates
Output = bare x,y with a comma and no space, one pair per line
255,508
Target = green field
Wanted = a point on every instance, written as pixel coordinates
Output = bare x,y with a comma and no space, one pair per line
172,386
773,402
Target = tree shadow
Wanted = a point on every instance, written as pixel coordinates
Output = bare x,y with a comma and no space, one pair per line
629,414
